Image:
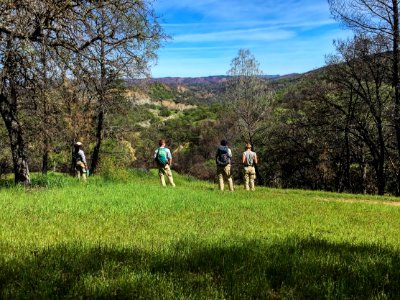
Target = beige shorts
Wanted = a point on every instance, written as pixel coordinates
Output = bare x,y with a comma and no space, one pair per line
80,167
224,171
166,170
250,171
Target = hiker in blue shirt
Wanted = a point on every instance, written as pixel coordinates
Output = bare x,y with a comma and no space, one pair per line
163,158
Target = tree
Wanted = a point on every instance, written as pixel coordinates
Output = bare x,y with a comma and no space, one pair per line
62,33
129,35
377,18
249,93
250,96
360,93
24,25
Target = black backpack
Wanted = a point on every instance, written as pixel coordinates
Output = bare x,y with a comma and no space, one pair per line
223,158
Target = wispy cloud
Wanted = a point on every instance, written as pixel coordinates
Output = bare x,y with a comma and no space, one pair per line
234,10
251,23
236,35
290,35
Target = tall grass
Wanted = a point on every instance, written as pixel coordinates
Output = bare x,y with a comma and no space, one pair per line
124,236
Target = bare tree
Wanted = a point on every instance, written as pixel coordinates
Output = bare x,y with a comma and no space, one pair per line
359,74
251,98
59,31
249,93
23,25
378,18
129,36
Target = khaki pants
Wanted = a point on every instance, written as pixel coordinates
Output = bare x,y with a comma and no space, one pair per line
249,178
165,171
224,173
80,170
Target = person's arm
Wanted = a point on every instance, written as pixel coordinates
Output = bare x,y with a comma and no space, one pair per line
255,161
169,157
243,158
84,158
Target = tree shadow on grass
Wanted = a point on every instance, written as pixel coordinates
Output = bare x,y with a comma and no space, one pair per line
294,268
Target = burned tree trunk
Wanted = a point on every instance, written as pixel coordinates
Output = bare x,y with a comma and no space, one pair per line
20,163
99,138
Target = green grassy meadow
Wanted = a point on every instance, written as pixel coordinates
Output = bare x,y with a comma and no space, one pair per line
127,237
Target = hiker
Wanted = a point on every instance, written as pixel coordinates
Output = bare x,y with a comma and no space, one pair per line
249,160
223,160
163,158
80,161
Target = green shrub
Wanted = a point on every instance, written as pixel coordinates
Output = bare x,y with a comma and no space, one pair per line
51,180
165,112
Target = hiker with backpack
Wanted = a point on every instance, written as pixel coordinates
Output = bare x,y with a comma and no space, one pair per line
223,159
249,160
163,158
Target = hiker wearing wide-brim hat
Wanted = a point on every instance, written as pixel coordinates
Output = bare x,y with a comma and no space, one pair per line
80,161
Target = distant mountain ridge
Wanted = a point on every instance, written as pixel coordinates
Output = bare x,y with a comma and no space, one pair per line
204,80
195,90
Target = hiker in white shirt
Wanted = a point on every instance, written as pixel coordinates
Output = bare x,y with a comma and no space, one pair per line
80,161
249,160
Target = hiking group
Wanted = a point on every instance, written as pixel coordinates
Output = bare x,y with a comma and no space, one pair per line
223,159
163,159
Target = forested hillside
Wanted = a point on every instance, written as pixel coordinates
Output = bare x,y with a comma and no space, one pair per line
336,128
193,118
301,142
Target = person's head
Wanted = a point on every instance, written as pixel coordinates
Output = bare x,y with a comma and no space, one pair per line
78,145
161,142
224,143
248,146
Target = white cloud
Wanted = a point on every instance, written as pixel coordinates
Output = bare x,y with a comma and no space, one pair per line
285,36
273,25
259,34
234,10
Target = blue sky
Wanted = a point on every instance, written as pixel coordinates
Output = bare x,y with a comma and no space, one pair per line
290,36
